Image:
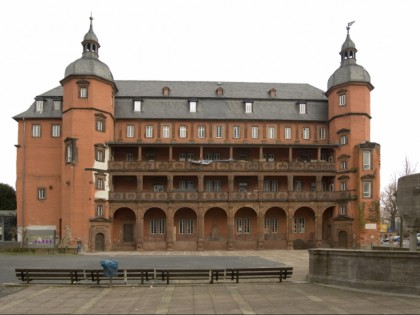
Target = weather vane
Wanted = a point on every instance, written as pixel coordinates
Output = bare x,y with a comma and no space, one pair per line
348,25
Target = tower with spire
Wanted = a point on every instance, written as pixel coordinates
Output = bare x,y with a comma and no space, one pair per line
357,159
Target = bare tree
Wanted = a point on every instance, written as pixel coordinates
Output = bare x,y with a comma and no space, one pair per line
389,194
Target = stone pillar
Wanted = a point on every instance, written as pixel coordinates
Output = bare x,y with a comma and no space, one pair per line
140,228
231,229
139,152
169,228
260,227
318,230
290,225
200,229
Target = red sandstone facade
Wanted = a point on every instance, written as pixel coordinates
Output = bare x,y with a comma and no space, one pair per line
107,167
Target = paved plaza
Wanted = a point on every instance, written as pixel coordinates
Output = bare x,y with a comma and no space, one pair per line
294,296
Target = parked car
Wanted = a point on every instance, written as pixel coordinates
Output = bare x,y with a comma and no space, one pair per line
395,239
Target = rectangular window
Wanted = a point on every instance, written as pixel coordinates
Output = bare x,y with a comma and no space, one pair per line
182,185
157,226
299,225
182,157
100,125
186,226
42,193
193,106
166,132
367,189
55,131
137,106
219,132
83,92
271,133
36,131
100,183
190,156
343,165
236,132
182,131
305,133
39,106
149,132
288,133
201,132
254,132
342,100
269,157
274,225
302,108
129,157
69,153
343,186
343,140
217,186
367,160
322,133
130,131
248,107
56,105
298,185
158,188
243,225
99,154
99,210
343,209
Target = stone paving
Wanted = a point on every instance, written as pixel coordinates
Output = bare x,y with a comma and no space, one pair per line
294,296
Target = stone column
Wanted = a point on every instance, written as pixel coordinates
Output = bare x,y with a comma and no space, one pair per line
200,229
231,229
140,228
169,228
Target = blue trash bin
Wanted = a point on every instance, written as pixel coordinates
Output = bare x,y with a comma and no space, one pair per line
110,267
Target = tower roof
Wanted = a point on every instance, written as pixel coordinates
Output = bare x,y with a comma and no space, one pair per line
349,70
89,63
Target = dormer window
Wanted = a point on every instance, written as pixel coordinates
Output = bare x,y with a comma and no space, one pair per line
137,106
272,92
39,106
166,91
57,105
219,91
248,106
302,108
193,105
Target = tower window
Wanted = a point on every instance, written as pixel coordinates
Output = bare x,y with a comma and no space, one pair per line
42,193
83,92
367,189
36,131
99,210
322,133
99,153
343,209
342,100
367,160
55,131
343,140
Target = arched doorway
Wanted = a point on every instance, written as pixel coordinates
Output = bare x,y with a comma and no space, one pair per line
154,229
99,242
342,239
215,229
304,228
275,228
123,229
245,229
185,229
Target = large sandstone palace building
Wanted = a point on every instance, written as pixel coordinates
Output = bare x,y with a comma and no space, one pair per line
105,164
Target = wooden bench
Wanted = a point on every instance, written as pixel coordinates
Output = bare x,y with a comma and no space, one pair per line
260,272
36,274
142,275
187,274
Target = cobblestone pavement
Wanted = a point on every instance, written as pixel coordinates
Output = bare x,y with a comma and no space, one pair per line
294,296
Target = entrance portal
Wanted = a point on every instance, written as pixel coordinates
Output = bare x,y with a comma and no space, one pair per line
342,239
99,242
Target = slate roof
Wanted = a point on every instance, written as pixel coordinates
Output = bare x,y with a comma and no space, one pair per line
283,106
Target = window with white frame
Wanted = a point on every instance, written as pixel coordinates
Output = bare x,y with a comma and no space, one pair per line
36,130
219,132
193,106
298,185
343,209
201,131
99,210
83,92
343,140
236,132
343,165
190,156
322,133
248,107
269,157
69,153
166,132
182,157
243,225
55,131
343,185
182,131
157,226
42,193
158,188
149,131
137,106
271,132
299,225
302,108
342,99
100,124
288,133
271,185
271,225
56,105
213,185
305,133
130,131
186,226
100,183
367,160
39,106
367,189
99,154
254,132
129,157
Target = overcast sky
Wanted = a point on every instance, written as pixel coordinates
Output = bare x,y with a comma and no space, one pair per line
293,41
